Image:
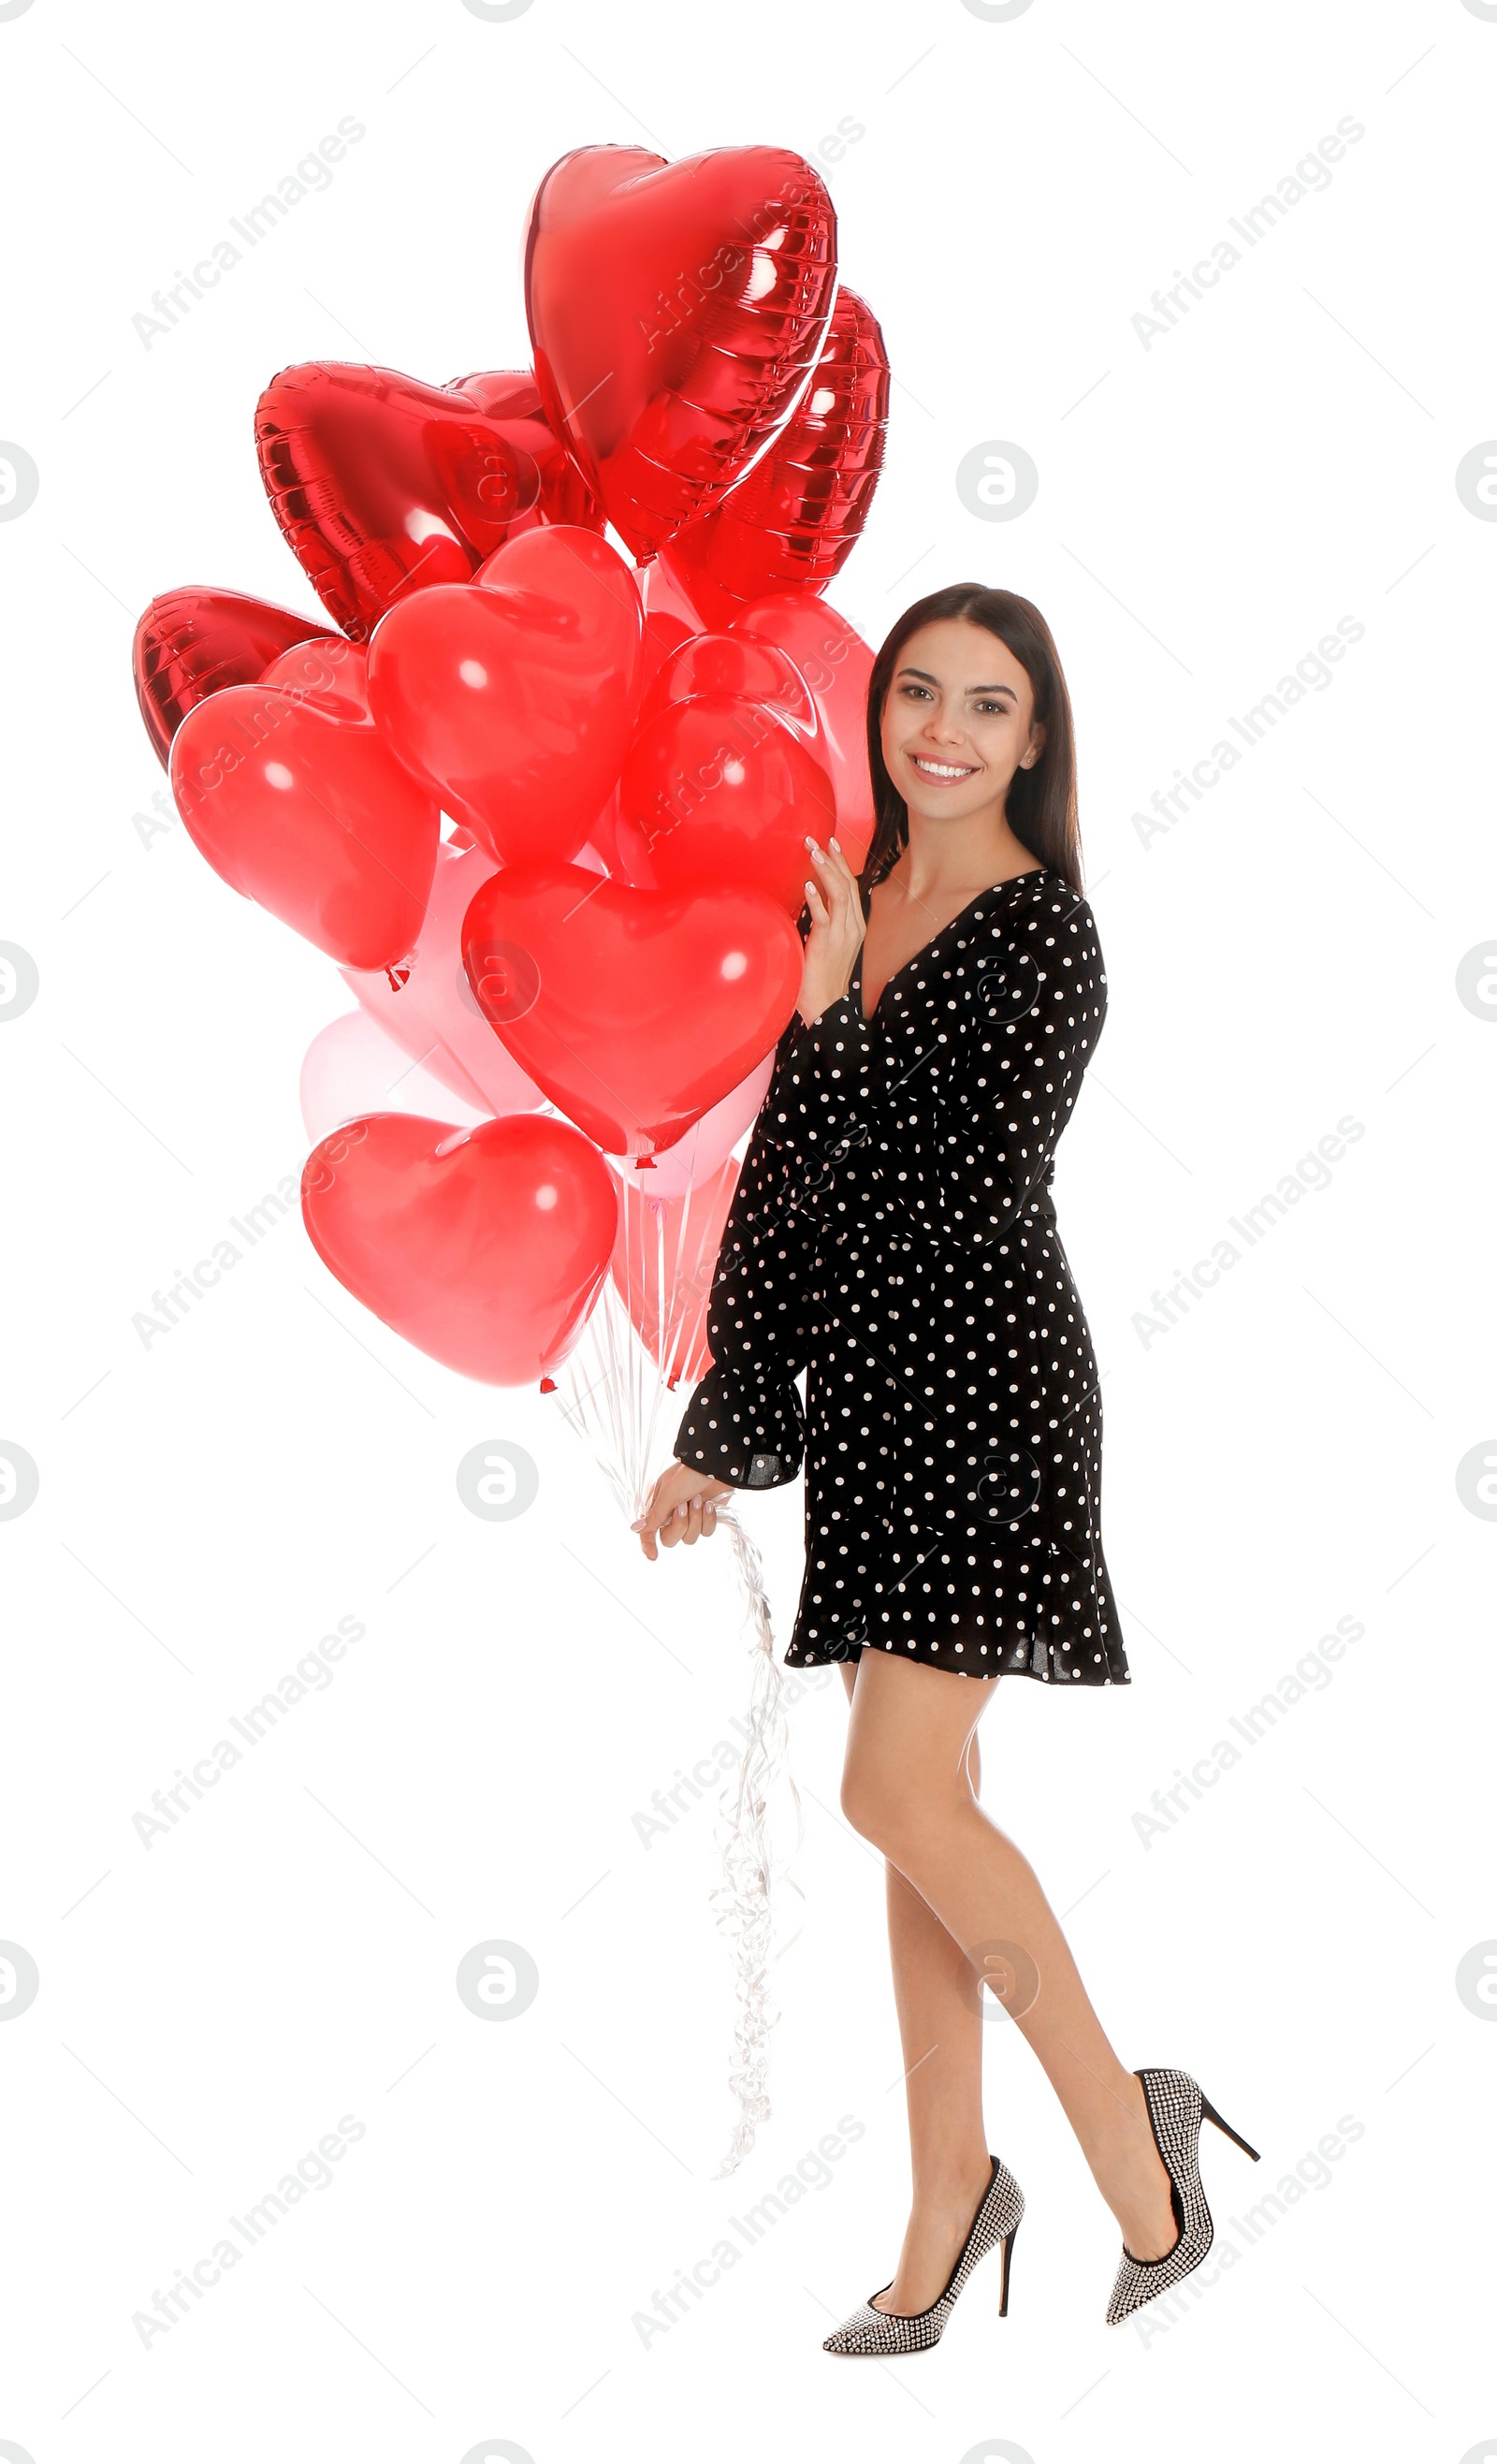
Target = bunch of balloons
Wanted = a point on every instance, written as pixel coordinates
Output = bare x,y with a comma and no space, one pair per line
543,807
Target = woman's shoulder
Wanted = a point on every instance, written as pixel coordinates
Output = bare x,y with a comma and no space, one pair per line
1040,901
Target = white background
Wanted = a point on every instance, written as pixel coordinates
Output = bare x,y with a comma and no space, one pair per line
1282,1457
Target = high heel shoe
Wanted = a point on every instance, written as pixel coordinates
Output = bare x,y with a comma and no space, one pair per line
891,2331
1177,2108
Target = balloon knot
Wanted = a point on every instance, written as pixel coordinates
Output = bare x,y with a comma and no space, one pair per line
644,1163
548,1385
399,976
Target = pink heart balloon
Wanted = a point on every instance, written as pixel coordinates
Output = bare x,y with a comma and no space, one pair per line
427,1003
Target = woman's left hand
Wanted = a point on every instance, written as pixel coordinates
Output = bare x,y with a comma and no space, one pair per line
682,1506
836,933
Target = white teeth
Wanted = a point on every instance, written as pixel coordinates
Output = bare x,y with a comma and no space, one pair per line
942,769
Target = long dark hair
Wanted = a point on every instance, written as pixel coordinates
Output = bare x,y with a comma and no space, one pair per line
1041,801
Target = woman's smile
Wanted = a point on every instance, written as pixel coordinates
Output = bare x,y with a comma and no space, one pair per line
941,773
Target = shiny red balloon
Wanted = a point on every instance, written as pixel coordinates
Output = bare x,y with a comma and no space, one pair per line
194,642
512,399
383,485
484,1247
331,673
836,664
721,790
662,1266
513,697
737,664
636,1011
794,521
677,310
309,813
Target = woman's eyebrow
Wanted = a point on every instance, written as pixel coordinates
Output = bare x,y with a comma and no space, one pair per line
926,678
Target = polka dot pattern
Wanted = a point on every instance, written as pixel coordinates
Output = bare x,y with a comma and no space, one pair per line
894,1236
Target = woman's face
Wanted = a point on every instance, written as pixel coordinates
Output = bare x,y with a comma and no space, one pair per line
958,721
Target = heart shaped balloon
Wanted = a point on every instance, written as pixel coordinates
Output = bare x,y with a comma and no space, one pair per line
662,1263
836,664
723,789
352,1066
514,696
677,311
635,1010
484,1247
195,642
427,1003
512,399
331,673
310,814
794,521
709,1142
383,485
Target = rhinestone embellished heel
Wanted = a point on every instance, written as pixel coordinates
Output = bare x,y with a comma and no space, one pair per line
890,2331
1177,2109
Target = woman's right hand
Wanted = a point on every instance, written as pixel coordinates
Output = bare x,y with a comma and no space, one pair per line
836,933
682,1507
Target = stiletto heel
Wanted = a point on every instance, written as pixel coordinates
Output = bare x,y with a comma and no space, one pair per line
1227,2131
876,2332
1176,2111
1009,2239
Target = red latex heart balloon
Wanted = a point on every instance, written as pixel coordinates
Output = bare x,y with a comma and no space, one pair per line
794,521
483,1247
737,664
662,1268
514,696
636,1011
383,485
194,642
677,311
331,673
716,790
836,664
311,815
512,399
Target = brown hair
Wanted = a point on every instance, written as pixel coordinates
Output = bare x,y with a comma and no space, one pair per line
1041,801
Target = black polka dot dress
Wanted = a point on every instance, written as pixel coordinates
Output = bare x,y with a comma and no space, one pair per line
892,1235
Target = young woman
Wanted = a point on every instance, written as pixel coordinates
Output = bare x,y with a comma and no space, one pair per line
892,1233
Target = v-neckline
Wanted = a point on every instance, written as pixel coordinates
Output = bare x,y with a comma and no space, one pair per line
869,1015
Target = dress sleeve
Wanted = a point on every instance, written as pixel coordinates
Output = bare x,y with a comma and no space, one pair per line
744,1423
959,1140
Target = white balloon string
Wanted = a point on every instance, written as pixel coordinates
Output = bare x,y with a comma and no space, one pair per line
613,1392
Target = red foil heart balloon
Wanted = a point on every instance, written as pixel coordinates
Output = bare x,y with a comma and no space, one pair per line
514,696
794,521
662,1266
512,399
484,1247
636,1011
383,485
836,664
194,642
677,310
310,814
719,789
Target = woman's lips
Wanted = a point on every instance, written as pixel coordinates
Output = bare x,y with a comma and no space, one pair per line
947,774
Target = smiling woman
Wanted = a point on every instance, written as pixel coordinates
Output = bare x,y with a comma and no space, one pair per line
893,1237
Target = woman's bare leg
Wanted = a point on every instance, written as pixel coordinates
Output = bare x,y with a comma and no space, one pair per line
940,2030
904,1788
